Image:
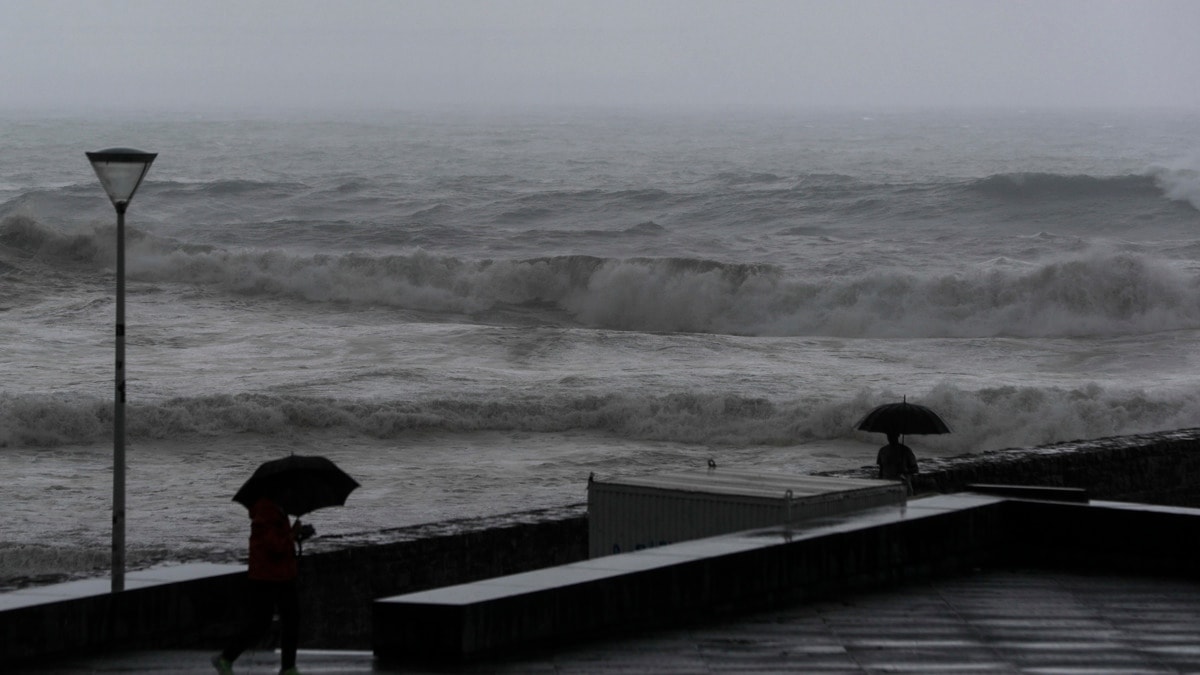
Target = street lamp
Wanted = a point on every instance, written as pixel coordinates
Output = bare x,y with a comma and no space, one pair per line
121,171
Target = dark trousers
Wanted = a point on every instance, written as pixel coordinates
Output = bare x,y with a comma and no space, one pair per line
262,599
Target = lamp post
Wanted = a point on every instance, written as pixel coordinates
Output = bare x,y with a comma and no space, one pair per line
121,171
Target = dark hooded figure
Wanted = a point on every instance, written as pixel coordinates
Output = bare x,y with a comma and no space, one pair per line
896,461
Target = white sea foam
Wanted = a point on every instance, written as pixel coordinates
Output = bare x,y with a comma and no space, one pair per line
30,563
1180,179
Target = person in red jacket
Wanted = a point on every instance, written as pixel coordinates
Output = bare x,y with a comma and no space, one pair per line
272,585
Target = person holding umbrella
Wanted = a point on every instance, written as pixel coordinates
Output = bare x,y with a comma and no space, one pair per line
896,461
272,574
293,485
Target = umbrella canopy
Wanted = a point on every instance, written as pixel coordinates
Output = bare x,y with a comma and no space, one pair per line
298,483
903,418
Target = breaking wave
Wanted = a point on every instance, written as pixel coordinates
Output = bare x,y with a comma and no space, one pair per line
984,419
1091,293
1180,180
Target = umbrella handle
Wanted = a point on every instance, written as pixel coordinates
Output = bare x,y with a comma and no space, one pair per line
299,542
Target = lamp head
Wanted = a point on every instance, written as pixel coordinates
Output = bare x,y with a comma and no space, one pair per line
121,171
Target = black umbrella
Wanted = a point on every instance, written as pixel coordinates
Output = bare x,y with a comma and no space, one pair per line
903,418
298,483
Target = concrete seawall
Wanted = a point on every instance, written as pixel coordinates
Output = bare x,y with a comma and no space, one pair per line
343,575
339,585
1160,468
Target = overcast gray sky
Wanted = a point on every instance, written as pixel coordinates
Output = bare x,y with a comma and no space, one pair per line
266,54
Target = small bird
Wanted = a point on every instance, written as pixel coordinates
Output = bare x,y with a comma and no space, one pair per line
711,465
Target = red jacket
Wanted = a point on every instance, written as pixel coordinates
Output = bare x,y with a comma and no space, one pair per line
272,543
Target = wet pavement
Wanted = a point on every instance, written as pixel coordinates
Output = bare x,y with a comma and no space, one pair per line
994,621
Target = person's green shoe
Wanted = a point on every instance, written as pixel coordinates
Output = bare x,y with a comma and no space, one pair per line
223,667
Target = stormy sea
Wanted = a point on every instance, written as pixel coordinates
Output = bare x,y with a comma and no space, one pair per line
470,313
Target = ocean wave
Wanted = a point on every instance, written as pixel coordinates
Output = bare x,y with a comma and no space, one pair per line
540,205
1088,293
982,419
61,202
746,178
1050,186
243,210
830,184
225,188
747,199
648,227
26,237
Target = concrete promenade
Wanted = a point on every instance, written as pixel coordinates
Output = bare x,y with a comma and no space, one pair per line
990,621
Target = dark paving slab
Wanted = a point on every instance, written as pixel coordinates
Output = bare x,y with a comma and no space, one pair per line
1032,622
